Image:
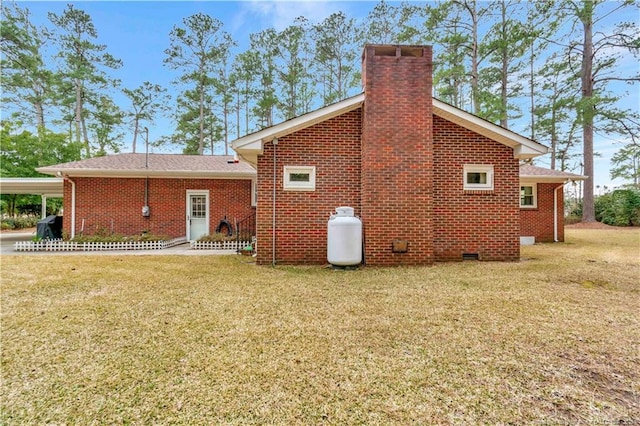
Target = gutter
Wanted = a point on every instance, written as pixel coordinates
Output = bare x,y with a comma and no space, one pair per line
141,173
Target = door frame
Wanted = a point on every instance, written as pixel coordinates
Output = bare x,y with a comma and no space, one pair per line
189,193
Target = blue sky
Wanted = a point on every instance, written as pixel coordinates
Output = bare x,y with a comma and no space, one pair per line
138,33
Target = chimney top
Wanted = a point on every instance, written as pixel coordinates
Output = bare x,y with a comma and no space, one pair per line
397,50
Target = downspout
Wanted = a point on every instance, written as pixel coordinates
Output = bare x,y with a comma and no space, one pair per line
73,207
145,208
273,207
555,212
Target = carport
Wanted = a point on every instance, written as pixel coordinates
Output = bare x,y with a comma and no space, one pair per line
44,187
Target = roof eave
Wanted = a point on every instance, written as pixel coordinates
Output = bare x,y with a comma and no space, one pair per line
550,179
48,187
523,148
524,152
141,173
251,146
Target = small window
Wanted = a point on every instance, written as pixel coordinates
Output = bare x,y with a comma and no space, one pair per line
300,178
528,196
478,177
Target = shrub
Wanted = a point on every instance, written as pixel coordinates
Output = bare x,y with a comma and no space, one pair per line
572,219
217,237
19,222
619,208
26,222
117,238
245,235
573,208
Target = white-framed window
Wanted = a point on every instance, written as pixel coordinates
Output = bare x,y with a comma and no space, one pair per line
478,177
254,192
300,178
529,196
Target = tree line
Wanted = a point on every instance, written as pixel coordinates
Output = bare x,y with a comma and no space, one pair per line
555,65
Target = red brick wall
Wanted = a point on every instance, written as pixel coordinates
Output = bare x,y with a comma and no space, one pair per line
333,147
482,222
538,222
400,167
115,204
397,154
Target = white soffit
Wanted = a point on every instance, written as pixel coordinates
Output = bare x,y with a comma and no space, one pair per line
250,146
522,147
49,187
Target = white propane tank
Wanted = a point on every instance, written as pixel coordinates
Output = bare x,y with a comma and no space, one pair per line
344,238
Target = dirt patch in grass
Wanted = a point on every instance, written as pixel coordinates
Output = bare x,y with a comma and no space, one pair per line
210,340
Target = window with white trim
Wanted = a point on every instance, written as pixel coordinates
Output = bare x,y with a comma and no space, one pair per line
529,196
478,177
299,178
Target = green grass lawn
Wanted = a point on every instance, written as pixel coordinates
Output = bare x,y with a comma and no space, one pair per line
552,339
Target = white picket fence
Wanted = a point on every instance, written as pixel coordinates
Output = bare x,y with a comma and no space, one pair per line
218,245
60,245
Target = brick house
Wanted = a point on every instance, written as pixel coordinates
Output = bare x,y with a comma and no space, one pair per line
415,169
185,195
542,203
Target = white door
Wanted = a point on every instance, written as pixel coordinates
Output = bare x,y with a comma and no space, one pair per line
197,214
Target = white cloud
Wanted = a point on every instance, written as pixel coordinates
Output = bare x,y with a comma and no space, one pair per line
281,14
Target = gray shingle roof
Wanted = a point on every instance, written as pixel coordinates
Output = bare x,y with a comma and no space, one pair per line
159,165
533,172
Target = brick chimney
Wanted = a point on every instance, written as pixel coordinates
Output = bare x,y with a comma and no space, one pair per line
397,155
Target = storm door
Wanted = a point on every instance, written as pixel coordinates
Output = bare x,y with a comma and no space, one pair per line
197,214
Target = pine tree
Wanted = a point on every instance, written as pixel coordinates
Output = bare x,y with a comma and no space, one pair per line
197,49
84,62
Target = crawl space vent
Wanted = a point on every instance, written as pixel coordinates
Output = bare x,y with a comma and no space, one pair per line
470,256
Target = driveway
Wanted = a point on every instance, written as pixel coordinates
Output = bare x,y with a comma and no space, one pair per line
7,240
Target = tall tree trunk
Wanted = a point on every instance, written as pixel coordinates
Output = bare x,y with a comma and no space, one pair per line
532,95
226,125
554,137
136,124
636,165
85,134
237,112
474,57
40,119
246,107
504,119
201,137
12,205
78,116
587,110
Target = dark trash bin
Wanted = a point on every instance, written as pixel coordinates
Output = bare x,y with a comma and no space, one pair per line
49,228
